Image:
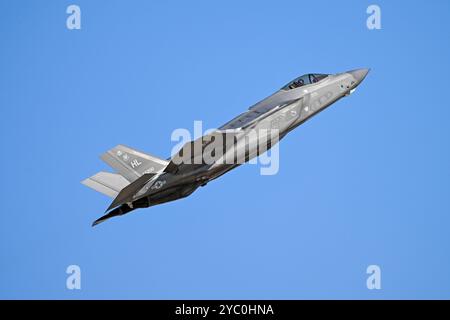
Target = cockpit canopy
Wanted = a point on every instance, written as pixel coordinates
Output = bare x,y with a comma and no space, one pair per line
304,80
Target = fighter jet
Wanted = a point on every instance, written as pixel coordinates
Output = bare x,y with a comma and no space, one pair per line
143,180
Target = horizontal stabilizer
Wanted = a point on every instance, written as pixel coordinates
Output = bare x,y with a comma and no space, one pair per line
127,193
107,183
132,163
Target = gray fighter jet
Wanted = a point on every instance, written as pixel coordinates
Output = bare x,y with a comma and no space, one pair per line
143,180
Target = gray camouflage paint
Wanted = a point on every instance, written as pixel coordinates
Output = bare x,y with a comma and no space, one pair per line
144,180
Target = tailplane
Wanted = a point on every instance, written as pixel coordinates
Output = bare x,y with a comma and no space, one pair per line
127,194
108,183
119,211
134,169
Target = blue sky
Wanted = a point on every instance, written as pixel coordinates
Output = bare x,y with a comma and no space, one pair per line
365,182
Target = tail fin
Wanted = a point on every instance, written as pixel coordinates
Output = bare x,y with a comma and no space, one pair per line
107,183
131,163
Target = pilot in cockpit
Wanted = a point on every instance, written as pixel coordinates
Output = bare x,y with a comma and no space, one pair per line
297,83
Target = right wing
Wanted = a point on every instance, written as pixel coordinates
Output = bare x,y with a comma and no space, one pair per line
192,151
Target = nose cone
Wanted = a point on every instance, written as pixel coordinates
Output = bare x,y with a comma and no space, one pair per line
359,74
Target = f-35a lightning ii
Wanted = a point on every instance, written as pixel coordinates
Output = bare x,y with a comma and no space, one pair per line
143,180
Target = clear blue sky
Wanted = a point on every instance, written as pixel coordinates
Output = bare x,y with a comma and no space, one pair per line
365,182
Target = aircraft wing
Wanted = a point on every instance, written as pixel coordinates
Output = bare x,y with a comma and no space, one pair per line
194,149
